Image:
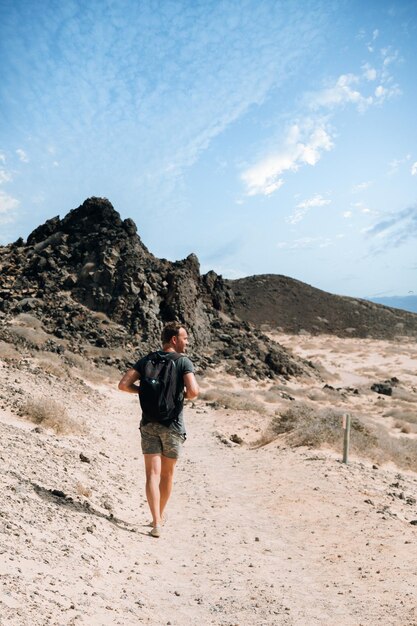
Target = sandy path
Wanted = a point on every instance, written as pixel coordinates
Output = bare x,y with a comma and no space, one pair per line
270,536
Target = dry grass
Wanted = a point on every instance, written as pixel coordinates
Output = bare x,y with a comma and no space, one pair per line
402,414
8,352
30,321
34,337
238,401
404,394
400,450
82,490
53,364
304,425
50,414
307,426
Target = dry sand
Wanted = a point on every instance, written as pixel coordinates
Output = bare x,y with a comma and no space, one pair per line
267,535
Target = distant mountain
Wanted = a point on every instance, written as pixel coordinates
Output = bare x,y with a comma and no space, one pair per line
281,302
406,303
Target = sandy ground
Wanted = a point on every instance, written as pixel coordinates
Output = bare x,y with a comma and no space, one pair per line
255,536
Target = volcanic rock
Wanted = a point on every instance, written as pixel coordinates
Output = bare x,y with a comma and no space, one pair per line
90,280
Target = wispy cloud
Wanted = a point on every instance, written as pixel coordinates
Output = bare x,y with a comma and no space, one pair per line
305,243
395,229
5,176
361,186
395,164
8,205
303,145
303,207
306,140
174,78
371,87
414,169
22,155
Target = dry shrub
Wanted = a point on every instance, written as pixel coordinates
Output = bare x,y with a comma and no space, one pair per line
53,364
400,450
238,401
28,320
404,428
404,394
8,352
317,395
50,414
82,490
35,337
307,426
403,415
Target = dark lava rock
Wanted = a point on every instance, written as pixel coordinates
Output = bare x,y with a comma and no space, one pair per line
92,282
382,388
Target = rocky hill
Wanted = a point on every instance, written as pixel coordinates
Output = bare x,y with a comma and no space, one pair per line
91,282
282,302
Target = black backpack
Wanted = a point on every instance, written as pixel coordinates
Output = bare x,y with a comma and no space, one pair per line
158,387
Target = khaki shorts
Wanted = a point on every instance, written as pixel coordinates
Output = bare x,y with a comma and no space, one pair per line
158,439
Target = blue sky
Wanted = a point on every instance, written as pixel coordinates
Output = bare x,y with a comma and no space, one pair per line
266,136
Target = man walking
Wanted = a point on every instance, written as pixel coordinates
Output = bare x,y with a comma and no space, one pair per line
161,436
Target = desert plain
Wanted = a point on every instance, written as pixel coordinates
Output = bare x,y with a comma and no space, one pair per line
266,525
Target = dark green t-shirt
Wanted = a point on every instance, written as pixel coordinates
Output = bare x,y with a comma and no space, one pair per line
183,366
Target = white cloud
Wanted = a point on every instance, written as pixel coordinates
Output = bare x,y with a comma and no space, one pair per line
369,72
305,242
347,214
363,208
352,88
414,169
303,145
316,200
361,186
7,203
395,164
303,207
5,177
22,155
2,158
341,93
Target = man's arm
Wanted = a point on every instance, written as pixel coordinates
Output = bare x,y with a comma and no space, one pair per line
128,381
191,387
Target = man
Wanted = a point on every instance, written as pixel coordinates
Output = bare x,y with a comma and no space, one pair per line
161,444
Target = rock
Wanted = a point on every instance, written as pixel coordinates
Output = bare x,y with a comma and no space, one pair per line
236,439
382,388
91,280
58,493
84,458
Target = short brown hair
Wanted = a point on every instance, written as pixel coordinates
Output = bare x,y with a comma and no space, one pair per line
169,331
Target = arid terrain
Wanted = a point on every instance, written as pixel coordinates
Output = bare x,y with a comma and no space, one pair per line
266,526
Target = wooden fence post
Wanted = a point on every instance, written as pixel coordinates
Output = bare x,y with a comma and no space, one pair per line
346,438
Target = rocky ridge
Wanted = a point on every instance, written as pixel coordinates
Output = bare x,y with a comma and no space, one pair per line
91,282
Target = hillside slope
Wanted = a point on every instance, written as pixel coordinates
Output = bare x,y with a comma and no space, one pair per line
294,306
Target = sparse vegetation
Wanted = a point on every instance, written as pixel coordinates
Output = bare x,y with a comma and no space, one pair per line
82,490
8,352
308,427
50,414
238,401
303,425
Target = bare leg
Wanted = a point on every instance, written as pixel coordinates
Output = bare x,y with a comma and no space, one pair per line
153,479
167,480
